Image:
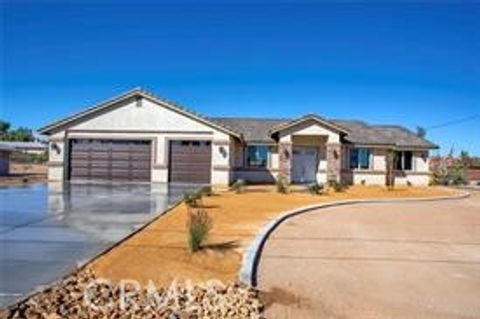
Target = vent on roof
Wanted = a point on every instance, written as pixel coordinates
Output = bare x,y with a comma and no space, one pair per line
138,101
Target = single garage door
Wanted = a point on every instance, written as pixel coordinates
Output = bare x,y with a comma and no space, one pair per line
190,162
111,160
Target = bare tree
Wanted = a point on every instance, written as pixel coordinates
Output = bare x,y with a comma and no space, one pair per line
390,160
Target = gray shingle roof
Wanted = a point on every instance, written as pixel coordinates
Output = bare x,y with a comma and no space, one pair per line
253,129
256,130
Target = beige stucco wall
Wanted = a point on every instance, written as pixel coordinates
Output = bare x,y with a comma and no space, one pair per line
418,176
152,122
310,128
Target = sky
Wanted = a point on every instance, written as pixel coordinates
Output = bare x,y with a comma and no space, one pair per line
412,64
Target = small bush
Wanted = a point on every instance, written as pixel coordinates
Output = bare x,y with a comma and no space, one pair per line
282,186
363,182
409,184
315,188
192,199
239,186
453,175
206,191
338,186
199,225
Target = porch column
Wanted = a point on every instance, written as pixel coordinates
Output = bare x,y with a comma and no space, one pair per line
334,161
285,160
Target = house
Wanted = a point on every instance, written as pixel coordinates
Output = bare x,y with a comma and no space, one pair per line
139,136
27,147
5,151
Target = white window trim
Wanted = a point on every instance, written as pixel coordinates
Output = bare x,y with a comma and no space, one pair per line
269,156
370,160
402,158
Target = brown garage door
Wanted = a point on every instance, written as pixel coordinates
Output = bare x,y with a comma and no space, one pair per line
190,162
95,159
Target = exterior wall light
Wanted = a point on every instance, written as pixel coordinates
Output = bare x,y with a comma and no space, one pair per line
54,146
223,151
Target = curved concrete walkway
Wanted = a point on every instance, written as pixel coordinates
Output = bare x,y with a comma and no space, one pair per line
403,260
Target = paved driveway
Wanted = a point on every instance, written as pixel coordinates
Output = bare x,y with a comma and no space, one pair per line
45,230
417,260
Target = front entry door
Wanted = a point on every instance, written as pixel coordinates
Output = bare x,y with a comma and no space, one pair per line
304,164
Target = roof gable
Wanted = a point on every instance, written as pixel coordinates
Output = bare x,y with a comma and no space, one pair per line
115,102
309,118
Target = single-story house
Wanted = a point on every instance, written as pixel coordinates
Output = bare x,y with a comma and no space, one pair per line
140,136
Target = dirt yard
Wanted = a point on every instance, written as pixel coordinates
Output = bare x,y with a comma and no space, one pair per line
25,174
159,252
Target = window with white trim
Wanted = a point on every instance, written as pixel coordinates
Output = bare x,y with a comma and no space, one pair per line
404,160
257,156
359,158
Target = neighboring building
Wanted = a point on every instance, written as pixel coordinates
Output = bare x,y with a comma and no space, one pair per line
27,147
5,151
139,136
473,175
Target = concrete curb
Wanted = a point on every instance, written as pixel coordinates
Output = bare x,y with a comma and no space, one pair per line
251,259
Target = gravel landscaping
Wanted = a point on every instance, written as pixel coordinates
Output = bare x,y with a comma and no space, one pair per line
82,296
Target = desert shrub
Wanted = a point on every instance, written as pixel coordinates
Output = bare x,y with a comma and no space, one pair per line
409,184
199,225
192,199
363,182
239,186
338,186
206,191
315,188
452,175
282,186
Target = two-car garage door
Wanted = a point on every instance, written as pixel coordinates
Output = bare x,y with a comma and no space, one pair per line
98,159
130,160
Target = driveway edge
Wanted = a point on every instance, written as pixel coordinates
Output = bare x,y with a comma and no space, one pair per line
251,259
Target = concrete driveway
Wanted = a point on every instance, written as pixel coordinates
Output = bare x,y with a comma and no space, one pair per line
416,260
46,230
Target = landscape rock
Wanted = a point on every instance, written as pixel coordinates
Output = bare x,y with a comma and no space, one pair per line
84,296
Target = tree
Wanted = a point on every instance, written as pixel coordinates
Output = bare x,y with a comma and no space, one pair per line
390,159
465,157
4,127
21,134
421,131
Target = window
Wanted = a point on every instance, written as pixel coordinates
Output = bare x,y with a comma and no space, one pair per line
257,156
403,160
360,158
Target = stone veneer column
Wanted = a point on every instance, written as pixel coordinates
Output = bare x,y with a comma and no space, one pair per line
334,161
285,160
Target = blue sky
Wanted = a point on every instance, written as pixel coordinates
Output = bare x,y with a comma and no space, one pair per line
383,62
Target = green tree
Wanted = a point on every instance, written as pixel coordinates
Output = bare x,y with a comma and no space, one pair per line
22,134
4,127
465,158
